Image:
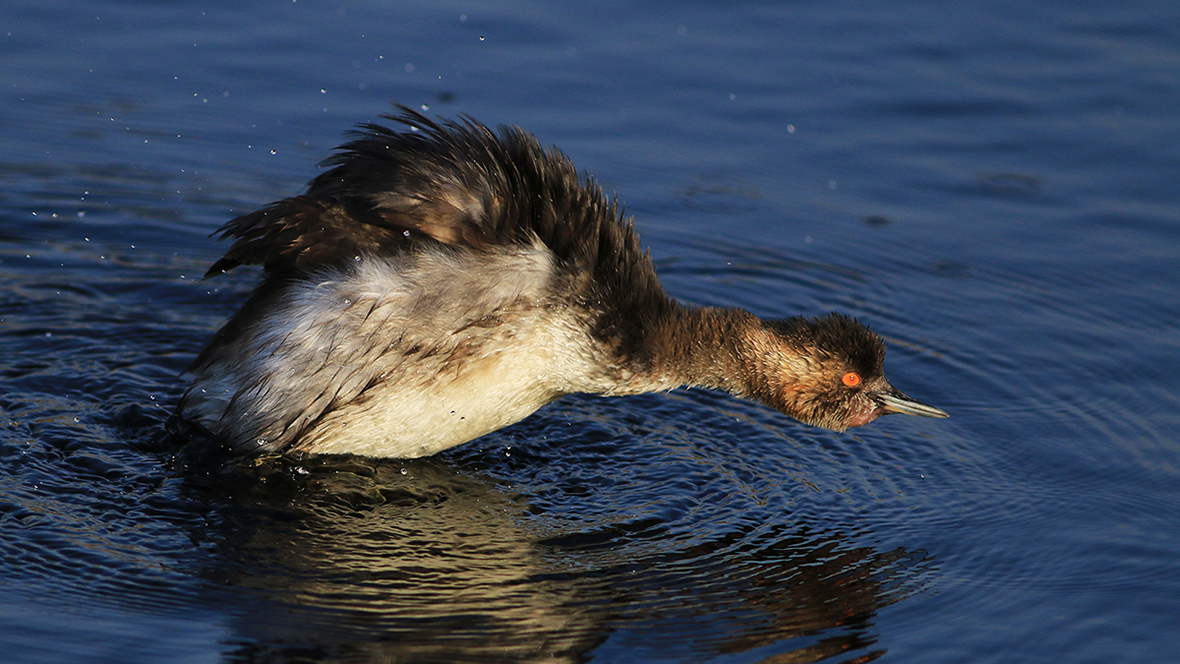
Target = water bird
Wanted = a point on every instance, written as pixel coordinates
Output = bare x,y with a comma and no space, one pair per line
442,280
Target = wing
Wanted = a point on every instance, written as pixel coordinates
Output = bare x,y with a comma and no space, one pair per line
454,183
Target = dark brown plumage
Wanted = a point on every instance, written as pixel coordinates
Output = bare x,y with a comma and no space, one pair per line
442,281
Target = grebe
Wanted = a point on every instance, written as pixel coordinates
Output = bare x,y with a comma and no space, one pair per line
444,281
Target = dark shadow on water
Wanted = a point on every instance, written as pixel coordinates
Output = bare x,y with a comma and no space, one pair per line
361,560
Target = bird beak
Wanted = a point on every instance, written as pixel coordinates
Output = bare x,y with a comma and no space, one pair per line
893,401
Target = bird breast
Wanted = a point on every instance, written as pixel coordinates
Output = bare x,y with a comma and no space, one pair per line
400,356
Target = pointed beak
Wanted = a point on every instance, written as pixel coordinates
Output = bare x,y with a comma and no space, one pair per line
894,401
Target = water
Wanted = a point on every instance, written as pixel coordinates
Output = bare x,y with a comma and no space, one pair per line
990,186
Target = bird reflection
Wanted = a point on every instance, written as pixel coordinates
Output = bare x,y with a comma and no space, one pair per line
350,559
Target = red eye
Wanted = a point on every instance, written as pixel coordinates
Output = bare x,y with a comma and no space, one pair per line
851,379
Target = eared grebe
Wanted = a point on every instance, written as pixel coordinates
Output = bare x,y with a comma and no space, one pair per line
444,281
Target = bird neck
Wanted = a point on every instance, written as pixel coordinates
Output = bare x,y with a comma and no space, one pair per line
725,349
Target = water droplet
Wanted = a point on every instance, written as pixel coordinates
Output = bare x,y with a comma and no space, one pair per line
404,471
274,151
481,38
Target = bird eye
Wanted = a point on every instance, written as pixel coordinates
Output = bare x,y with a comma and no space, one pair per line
851,379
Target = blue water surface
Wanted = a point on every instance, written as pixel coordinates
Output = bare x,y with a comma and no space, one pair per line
992,186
